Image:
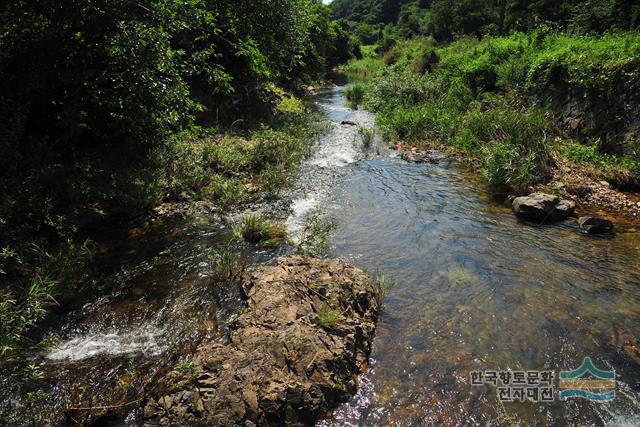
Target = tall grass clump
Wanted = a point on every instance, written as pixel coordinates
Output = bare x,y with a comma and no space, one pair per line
367,136
261,231
355,94
315,235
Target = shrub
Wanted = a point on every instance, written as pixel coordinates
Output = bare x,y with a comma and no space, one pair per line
425,61
391,56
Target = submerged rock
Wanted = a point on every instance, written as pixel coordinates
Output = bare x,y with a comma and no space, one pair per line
541,207
292,356
594,225
419,156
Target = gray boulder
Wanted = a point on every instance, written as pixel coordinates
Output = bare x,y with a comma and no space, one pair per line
541,207
594,225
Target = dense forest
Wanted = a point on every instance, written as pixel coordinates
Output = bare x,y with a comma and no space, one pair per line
446,19
106,105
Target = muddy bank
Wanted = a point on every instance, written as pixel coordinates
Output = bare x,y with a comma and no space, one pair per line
293,355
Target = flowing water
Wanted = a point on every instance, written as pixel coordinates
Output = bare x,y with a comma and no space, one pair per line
475,290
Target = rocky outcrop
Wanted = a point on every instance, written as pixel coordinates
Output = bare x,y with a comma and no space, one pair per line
541,207
293,355
594,225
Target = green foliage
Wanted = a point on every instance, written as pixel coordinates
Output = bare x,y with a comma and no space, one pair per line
475,99
620,170
367,136
327,317
355,94
384,285
103,107
183,375
18,314
448,19
228,266
130,379
315,236
261,231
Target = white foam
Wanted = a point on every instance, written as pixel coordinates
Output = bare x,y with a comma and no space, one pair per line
338,151
297,220
624,421
145,340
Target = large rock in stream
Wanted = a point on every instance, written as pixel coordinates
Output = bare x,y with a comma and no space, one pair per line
293,355
541,207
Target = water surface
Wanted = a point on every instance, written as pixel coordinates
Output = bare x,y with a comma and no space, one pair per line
478,290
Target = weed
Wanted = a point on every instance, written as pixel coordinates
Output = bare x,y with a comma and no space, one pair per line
34,371
17,315
355,94
129,379
383,286
315,236
367,136
260,231
228,266
327,317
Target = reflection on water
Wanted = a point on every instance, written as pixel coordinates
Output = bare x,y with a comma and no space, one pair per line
478,290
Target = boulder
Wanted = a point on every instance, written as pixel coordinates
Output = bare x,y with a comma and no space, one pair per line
594,225
541,207
292,356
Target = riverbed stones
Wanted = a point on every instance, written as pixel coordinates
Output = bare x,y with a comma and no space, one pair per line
293,355
542,207
421,156
595,225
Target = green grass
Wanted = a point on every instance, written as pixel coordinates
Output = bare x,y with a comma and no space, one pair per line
327,317
229,168
355,94
261,231
365,68
315,236
383,285
367,136
620,170
474,97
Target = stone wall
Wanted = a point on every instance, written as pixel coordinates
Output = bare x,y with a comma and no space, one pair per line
612,115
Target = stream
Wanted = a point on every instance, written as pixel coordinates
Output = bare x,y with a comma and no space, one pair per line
476,290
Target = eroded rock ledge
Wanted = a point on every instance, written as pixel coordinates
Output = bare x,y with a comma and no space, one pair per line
293,355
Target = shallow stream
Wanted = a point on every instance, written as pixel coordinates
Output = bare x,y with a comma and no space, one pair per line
476,290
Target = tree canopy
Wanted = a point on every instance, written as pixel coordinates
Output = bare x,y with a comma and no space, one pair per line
444,19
